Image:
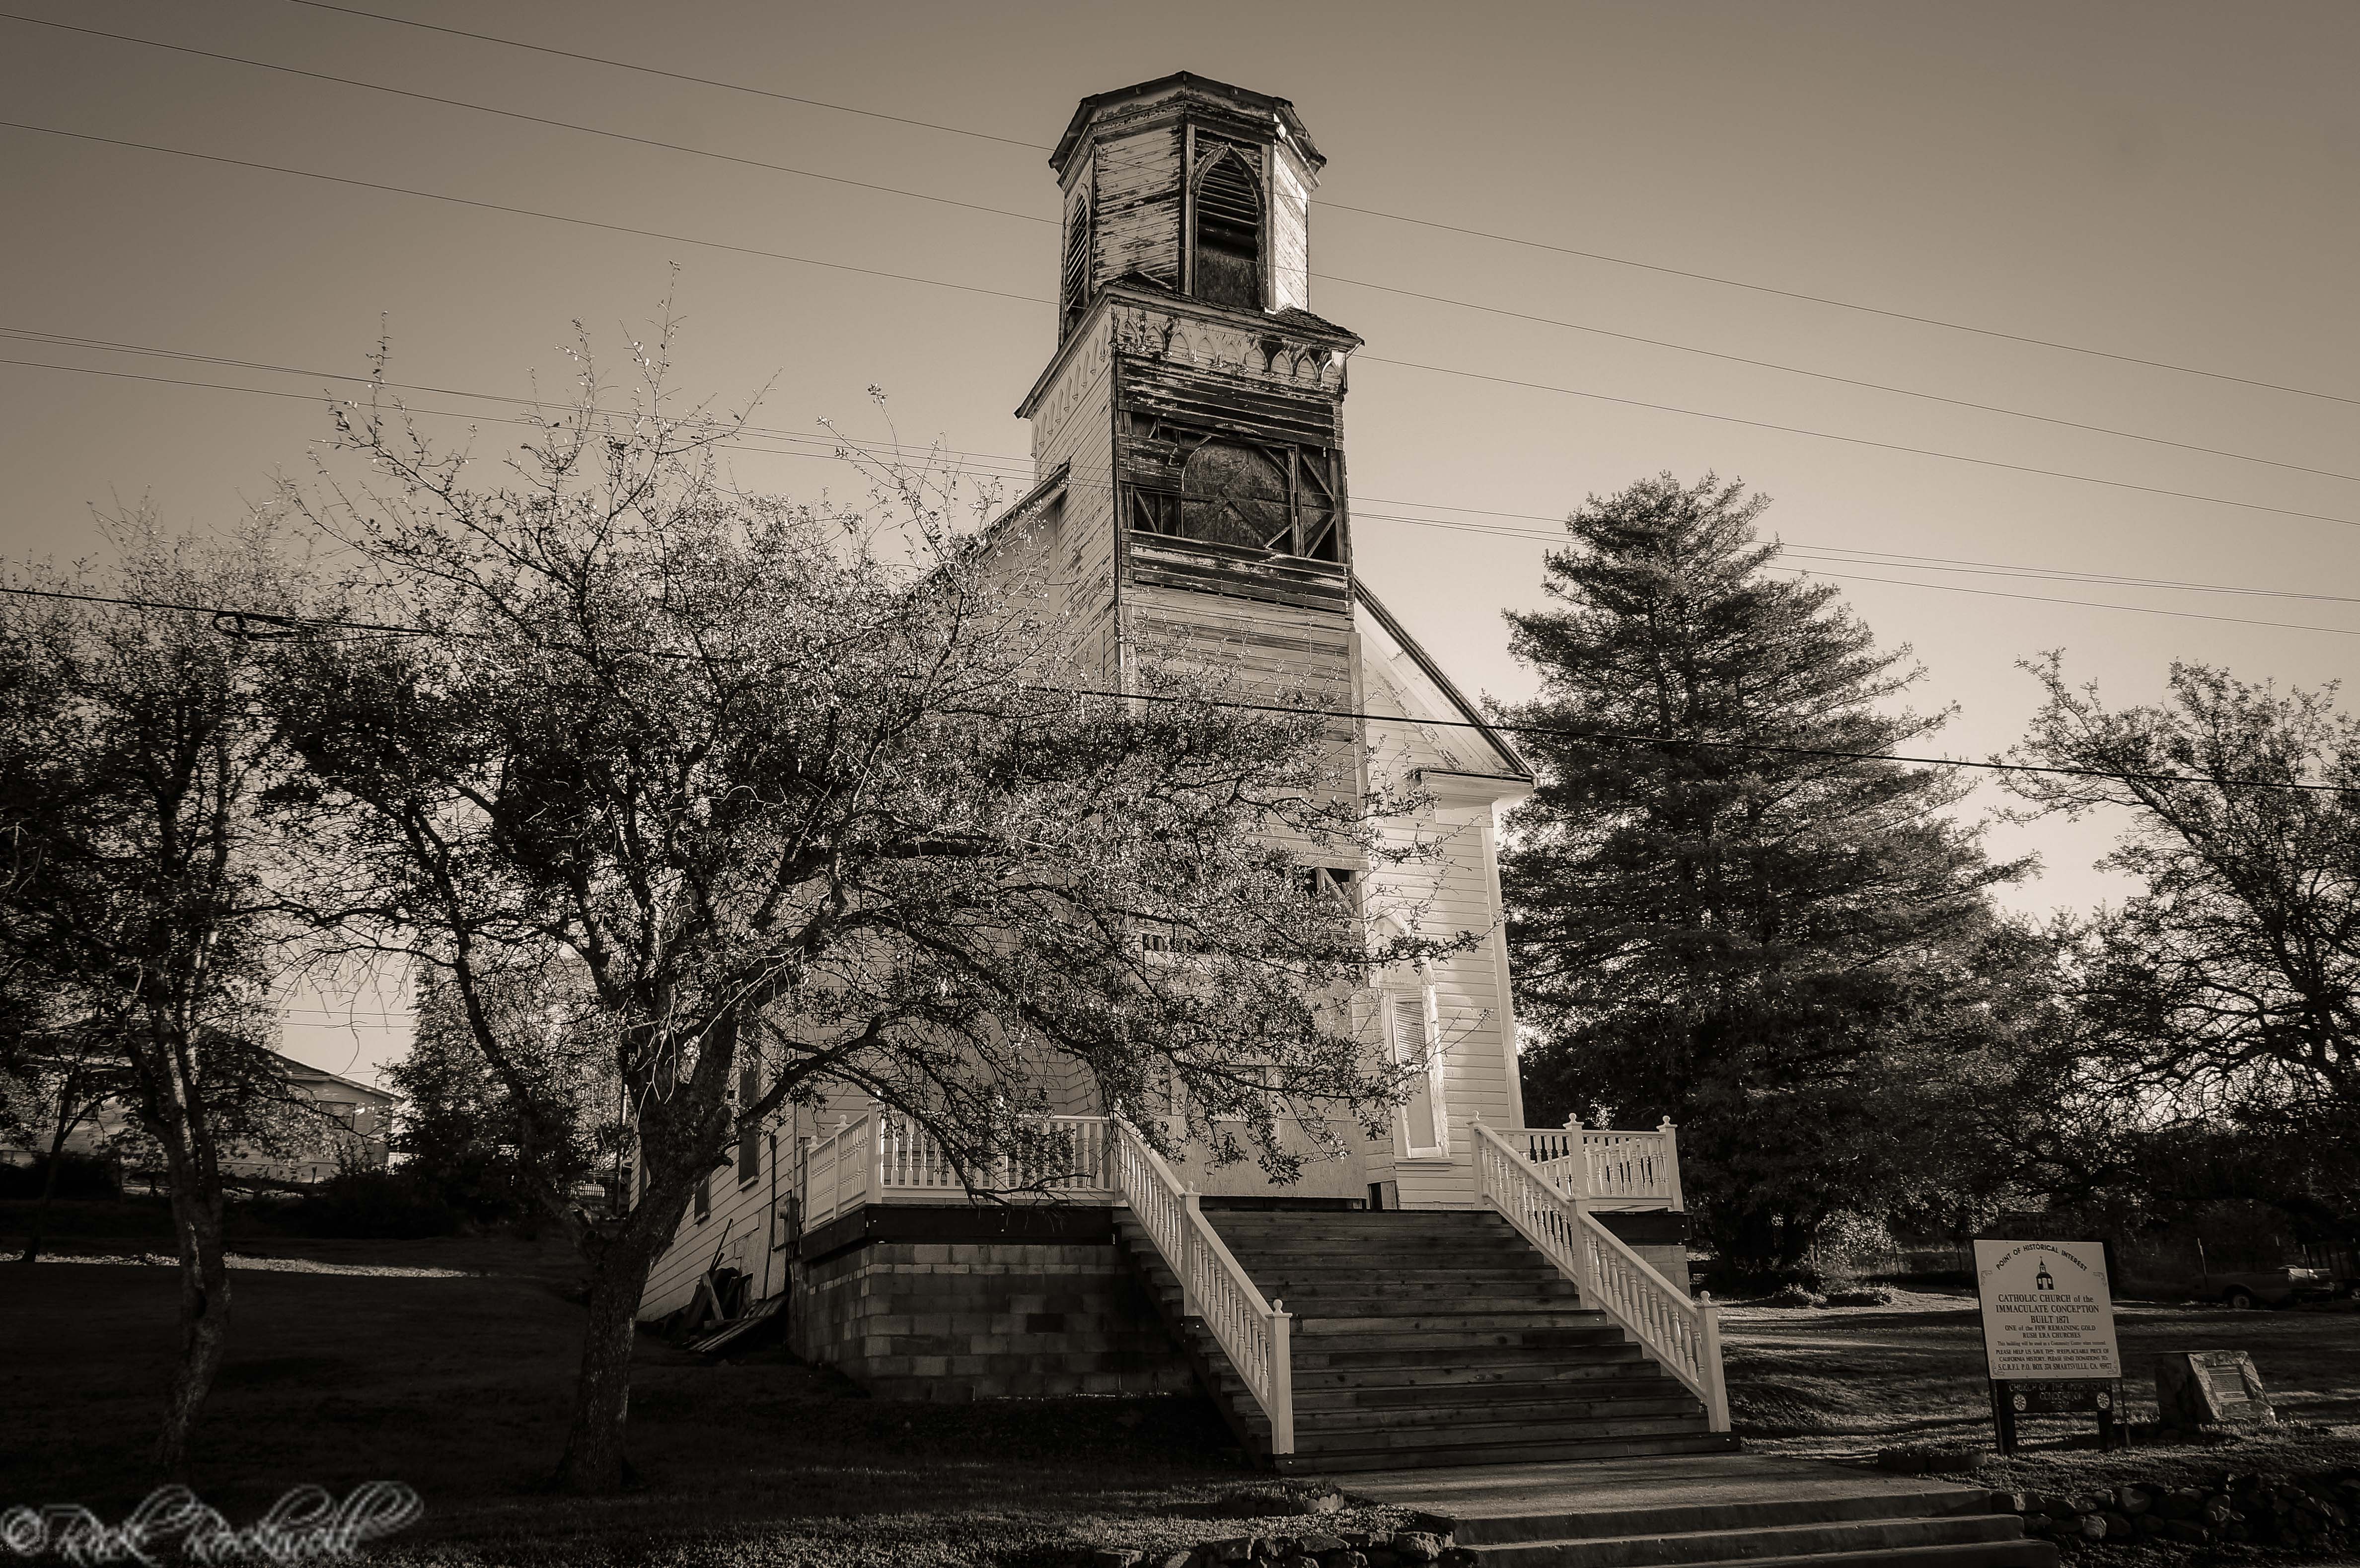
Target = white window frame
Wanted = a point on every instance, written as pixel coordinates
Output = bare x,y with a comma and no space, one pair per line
1397,1001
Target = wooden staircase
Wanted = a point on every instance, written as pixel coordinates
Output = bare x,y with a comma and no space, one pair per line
1426,1338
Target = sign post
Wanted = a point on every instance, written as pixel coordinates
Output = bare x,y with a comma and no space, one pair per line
2049,1334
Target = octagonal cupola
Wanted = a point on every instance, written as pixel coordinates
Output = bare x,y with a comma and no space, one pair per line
1193,185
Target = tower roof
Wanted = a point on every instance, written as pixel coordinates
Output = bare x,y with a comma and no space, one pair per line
1180,84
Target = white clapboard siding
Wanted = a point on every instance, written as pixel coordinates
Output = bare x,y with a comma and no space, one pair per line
1138,183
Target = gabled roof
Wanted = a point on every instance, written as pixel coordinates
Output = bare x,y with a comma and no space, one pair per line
304,1073
1518,767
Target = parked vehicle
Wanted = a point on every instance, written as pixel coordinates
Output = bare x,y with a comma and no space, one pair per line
2246,1289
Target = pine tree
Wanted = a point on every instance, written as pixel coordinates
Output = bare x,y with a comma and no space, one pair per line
1713,918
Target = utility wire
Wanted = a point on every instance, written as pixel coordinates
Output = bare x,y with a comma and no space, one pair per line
1561,732
1037,299
1484,528
519,114
1405,218
1324,277
1017,466
1366,358
673,75
524,212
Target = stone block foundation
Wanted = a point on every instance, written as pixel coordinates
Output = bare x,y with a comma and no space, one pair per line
981,1320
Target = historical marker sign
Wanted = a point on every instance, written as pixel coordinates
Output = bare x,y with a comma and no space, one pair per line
2047,1311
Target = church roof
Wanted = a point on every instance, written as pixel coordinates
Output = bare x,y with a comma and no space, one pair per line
1517,766
1203,86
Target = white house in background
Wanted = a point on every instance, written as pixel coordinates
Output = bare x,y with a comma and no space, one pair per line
1189,368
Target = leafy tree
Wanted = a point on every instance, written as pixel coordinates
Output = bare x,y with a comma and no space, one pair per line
1719,912
790,801
2220,1006
463,1140
137,908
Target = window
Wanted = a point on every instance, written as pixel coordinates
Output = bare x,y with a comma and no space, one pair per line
749,1148
1228,250
704,1197
1425,1120
1074,291
1328,882
1249,495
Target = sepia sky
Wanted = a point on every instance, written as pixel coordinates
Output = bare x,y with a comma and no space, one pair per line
2175,183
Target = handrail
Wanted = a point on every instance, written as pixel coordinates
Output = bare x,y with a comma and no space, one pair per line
1251,1332
910,1160
1682,1335
836,1173
1601,1165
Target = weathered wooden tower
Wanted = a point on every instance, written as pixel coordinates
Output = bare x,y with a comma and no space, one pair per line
1195,405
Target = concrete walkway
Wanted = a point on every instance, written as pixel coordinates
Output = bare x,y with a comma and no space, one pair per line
1642,1485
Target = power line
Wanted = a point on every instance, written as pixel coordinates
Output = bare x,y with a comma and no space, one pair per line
673,75
1366,358
519,114
1493,530
1405,218
523,212
1450,300
1037,299
1507,726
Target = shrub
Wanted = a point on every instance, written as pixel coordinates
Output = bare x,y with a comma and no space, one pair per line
373,1205
1794,1295
78,1176
1853,1293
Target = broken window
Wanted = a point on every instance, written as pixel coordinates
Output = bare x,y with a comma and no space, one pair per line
1228,268
1073,294
1252,495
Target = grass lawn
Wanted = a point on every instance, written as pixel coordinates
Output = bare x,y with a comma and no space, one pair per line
1847,1381
459,1387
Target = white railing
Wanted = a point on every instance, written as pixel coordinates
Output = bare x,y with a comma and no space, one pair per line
890,1159
838,1170
1251,1332
1682,1335
1603,1167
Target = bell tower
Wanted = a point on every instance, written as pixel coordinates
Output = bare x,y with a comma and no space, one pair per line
1193,410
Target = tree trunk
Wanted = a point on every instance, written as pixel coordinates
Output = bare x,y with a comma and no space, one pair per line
204,1310
50,1181
594,1463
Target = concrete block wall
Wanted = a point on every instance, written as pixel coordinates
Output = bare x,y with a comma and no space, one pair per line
958,1321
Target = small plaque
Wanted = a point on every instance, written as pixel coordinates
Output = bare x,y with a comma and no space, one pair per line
2211,1387
2057,1398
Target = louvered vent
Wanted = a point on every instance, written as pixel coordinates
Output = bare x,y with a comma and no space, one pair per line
1228,233
1075,292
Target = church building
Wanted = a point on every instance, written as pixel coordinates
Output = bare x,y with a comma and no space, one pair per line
1190,451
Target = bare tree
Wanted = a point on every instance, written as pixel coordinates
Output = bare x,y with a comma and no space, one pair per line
131,762
2228,988
791,802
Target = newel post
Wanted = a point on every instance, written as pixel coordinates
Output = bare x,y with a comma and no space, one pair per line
1282,1379
1192,1222
1672,1162
1716,1397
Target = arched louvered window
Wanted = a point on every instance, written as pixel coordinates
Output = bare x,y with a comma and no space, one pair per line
1229,230
1073,293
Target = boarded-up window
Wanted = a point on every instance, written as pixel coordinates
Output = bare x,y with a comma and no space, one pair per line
1425,1129
1074,292
1254,495
1227,269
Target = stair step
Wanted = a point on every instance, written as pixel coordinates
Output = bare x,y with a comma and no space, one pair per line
1487,1435
1475,1321
1379,1353
1530,1453
1376,1385
1674,1400
1849,1539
